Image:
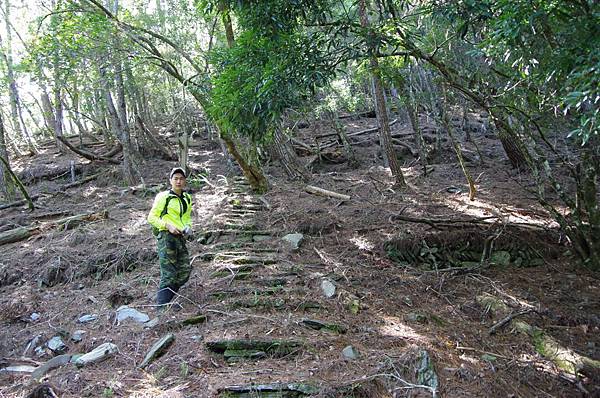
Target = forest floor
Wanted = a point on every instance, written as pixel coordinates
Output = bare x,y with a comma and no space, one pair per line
410,298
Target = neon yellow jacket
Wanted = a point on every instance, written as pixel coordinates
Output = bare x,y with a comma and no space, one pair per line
178,214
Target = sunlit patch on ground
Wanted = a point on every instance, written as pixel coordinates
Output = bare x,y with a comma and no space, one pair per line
395,327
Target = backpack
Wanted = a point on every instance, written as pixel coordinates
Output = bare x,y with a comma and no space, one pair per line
156,231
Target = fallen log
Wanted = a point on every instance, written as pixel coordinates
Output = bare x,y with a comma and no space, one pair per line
21,233
163,147
48,171
116,149
86,154
18,183
321,191
563,357
447,222
61,189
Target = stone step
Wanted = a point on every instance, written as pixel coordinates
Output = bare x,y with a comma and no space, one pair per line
271,390
272,348
254,291
240,272
323,326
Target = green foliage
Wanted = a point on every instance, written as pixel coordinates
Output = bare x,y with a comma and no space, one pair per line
548,49
262,76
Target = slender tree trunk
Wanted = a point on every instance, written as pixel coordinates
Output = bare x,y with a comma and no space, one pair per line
412,109
7,187
129,166
288,158
15,102
224,9
445,119
381,108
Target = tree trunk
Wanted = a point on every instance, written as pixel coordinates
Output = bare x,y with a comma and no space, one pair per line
15,102
7,187
448,126
254,175
285,153
381,108
412,109
224,9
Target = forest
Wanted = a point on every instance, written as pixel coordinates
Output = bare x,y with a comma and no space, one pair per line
391,198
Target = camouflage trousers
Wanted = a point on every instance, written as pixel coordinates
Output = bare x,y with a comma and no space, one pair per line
174,261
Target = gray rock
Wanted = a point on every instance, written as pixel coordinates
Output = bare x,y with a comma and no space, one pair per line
57,345
158,349
261,238
500,257
34,317
415,317
350,352
98,354
55,362
78,335
18,369
87,318
294,240
39,351
328,288
124,312
152,323
426,373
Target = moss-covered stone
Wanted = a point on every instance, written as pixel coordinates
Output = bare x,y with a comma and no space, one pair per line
194,320
274,390
277,348
324,326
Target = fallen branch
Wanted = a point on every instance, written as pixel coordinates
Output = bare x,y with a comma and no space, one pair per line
37,196
321,191
506,320
161,146
18,183
85,154
21,233
116,149
302,144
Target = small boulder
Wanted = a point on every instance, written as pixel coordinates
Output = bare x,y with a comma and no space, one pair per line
77,335
328,288
87,318
57,345
124,312
294,240
350,353
415,317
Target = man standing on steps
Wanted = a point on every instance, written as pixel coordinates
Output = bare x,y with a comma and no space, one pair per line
171,220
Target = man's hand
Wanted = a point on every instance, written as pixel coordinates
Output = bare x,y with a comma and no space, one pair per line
173,229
